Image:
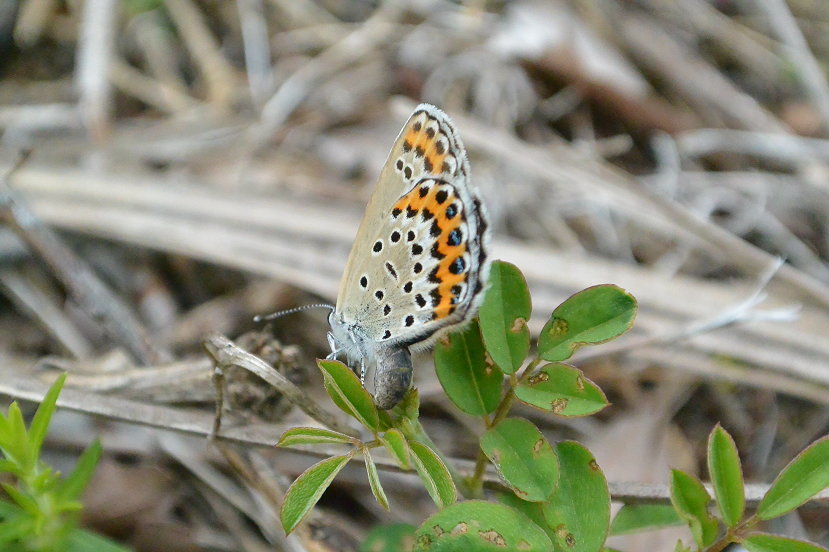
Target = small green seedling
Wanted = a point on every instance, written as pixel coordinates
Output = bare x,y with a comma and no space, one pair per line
43,509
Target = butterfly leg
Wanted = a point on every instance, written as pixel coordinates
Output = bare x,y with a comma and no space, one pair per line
334,349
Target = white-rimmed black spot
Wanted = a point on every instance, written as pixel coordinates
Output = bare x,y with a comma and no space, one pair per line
417,268
455,237
395,236
417,249
451,211
379,294
407,172
407,287
387,310
392,272
378,246
387,335
421,302
399,165
363,282
457,266
409,320
410,235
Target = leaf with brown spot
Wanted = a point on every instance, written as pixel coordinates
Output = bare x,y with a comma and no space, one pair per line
489,527
561,389
523,457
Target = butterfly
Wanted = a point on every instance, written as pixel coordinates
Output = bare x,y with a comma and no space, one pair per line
418,267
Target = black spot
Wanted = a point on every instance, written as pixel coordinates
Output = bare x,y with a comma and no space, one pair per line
391,270
427,214
409,320
387,335
436,253
407,287
386,309
433,276
435,295
435,230
434,316
423,191
451,211
417,126
450,311
410,236
455,237
364,282
457,266
456,290
379,294
395,212
428,165
441,196
479,285
408,172
430,132
454,300
407,146
440,148
410,213
446,167
399,164
417,249
419,151
395,236
378,246
417,268
421,302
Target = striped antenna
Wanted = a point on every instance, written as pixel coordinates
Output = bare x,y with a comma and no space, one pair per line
280,314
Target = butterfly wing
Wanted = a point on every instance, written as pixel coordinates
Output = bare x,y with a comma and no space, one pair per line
418,265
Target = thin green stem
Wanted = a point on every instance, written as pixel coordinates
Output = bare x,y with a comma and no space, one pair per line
735,534
475,482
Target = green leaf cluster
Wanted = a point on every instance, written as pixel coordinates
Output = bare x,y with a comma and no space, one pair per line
555,497
44,508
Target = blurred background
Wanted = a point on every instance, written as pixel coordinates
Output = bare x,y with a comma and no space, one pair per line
205,161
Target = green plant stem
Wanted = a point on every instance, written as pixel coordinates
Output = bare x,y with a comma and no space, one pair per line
733,535
476,482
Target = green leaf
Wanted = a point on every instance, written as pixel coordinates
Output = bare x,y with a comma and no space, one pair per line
726,476
761,542
314,436
804,477
478,526
15,444
561,389
308,488
374,480
72,487
348,393
395,537
635,518
503,316
15,528
594,315
434,474
84,541
468,376
579,511
523,457
533,510
690,499
43,415
22,499
395,443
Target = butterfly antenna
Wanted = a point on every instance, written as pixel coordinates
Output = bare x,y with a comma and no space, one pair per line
280,314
